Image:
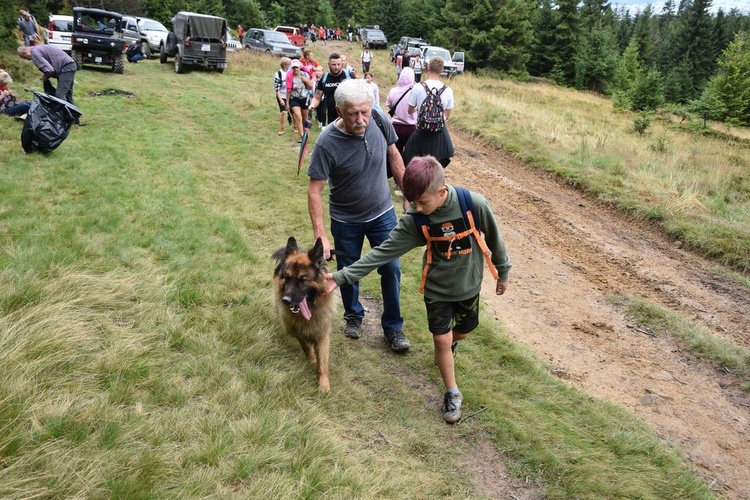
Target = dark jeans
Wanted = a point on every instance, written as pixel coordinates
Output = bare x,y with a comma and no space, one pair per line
348,239
18,109
65,82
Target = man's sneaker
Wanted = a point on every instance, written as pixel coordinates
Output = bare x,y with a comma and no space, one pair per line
452,407
353,328
397,340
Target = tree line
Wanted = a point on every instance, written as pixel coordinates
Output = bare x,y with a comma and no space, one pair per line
684,54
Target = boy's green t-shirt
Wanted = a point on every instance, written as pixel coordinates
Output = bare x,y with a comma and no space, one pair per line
448,279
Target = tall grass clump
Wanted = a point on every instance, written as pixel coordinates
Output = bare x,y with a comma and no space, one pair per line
695,182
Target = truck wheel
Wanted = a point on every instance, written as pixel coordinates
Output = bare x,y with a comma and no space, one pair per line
78,58
118,66
162,54
145,49
179,67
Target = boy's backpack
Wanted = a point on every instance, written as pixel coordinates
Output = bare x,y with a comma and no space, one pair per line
325,76
431,117
467,207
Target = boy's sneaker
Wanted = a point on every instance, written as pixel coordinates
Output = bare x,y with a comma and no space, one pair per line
397,340
353,328
452,407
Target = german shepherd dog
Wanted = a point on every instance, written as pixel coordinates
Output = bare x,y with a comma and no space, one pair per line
304,308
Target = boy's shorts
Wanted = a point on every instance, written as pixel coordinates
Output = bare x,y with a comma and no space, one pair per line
444,317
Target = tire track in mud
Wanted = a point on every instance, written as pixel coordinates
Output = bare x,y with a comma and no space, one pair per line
569,254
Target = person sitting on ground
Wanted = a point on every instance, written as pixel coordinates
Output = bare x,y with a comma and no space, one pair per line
8,104
134,52
451,285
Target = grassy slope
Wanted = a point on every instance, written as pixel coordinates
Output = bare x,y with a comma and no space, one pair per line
141,356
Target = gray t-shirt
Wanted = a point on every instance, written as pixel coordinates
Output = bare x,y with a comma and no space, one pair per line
354,167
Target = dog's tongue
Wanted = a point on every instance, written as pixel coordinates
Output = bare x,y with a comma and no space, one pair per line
304,310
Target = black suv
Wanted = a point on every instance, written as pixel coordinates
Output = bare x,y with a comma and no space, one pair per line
373,38
97,38
196,40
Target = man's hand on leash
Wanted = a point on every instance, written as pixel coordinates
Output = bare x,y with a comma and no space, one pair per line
502,286
330,283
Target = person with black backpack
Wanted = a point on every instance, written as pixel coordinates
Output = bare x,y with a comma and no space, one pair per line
433,102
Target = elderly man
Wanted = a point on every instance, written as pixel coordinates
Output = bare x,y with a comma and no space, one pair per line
53,63
350,155
327,87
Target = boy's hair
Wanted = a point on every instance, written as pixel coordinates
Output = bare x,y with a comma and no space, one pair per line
436,65
424,174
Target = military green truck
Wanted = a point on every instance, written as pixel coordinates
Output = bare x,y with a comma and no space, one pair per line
196,40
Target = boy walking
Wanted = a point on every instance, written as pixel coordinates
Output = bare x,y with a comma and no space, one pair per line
454,261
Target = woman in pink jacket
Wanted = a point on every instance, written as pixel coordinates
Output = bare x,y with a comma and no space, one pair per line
398,107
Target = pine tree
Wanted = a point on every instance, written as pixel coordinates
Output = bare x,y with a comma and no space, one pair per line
708,106
541,58
731,84
692,41
597,61
565,46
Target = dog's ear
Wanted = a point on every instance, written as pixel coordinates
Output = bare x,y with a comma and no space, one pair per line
291,245
282,253
316,254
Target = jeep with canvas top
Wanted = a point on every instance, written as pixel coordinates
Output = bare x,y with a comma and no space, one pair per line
196,40
97,38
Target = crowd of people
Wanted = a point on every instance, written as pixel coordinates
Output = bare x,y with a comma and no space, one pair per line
359,147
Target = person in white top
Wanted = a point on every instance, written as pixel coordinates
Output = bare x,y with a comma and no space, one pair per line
366,57
422,143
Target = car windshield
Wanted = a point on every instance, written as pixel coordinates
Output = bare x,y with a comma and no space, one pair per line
152,26
439,53
276,36
375,33
98,23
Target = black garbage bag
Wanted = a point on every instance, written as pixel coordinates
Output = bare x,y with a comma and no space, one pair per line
47,123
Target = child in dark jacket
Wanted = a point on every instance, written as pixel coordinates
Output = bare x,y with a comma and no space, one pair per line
454,262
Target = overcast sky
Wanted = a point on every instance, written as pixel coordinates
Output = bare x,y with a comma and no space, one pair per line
639,5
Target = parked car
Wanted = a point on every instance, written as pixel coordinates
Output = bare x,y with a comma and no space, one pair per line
293,34
270,42
429,51
97,38
458,60
232,43
373,38
149,33
155,33
196,40
59,31
405,43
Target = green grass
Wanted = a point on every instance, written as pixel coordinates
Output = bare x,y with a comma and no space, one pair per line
141,356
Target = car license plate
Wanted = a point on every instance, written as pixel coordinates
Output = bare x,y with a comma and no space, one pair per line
66,39
97,60
206,47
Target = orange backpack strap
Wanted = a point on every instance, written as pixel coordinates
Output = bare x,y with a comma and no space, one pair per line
467,206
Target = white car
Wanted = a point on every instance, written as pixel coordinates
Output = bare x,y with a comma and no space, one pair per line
155,33
449,67
233,45
59,30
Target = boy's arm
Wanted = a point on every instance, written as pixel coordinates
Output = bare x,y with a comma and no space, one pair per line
494,240
403,238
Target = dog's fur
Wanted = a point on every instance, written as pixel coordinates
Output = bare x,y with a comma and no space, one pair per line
304,308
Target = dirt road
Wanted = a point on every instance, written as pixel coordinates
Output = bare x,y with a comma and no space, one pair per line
569,254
